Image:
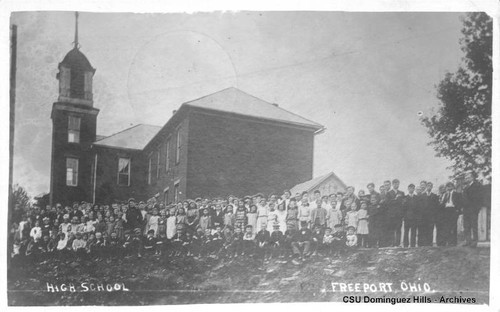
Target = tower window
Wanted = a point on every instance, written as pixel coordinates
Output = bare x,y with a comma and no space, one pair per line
74,129
124,171
71,171
77,84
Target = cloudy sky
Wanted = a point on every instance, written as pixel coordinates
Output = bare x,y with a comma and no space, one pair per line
365,76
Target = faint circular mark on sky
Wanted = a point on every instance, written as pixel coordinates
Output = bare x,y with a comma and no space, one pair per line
174,67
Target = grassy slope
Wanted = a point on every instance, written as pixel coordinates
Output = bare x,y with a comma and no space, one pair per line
449,271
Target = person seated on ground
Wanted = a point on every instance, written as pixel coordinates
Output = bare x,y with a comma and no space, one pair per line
205,244
227,243
65,224
62,242
317,239
36,232
287,248
276,241
99,246
149,243
186,245
114,245
161,242
51,246
248,243
133,242
327,243
46,226
351,237
301,243
237,244
262,239
79,245
195,248
177,242
90,248
216,242
339,239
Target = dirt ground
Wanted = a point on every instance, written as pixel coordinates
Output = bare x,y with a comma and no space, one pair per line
454,271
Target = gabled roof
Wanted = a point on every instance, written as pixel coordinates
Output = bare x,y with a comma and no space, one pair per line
136,137
311,184
233,100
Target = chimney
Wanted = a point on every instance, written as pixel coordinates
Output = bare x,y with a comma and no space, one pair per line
275,104
174,111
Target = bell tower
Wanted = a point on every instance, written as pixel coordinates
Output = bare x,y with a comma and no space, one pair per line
74,123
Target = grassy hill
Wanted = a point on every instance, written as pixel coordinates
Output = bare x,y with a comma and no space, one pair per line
453,271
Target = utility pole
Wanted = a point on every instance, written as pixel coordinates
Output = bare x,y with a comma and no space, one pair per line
13,66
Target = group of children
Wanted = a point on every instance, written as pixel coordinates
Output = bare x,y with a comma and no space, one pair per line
277,227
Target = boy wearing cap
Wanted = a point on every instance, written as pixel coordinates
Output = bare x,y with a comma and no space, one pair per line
276,241
301,243
262,239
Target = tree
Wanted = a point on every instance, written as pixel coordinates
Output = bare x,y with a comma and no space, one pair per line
461,130
20,197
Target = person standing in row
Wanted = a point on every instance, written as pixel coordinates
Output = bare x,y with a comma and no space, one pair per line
472,201
429,203
451,203
394,214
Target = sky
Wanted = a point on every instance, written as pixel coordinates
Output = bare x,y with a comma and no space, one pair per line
367,77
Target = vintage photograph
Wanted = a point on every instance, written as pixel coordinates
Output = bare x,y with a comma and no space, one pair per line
249,157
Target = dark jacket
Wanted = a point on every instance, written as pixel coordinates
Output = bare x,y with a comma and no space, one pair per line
472,197
263,236
412,211
395,204
134,218
429,205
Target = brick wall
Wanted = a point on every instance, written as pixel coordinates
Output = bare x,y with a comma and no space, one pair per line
107,188
59,191
177,171
228,155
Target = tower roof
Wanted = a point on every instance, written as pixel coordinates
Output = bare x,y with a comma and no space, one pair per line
75,59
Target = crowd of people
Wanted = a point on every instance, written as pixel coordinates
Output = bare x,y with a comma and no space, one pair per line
281,227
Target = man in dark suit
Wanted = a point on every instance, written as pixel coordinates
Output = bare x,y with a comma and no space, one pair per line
429,203
412,216
395,214
446,228
472,201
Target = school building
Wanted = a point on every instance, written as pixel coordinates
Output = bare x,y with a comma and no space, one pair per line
226,143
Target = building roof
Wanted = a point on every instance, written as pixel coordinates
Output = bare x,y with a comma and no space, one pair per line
136,137
233,100
75,59
311,184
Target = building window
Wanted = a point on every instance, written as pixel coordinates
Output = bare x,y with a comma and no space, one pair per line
165,196
124,171
158,165
73,129
167,155
178,147
72,171
149,170
176,192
